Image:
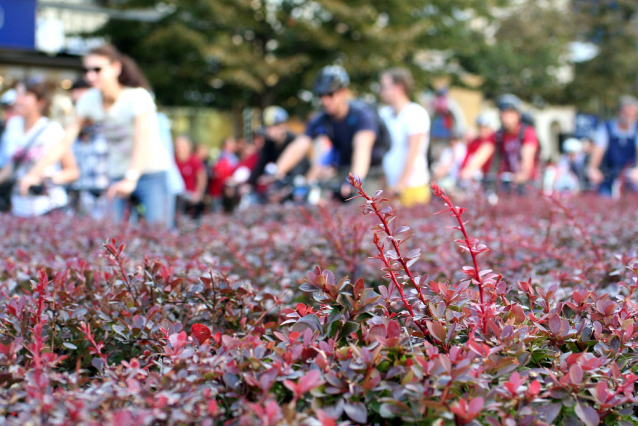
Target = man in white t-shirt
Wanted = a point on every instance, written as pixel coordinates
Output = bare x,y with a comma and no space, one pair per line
405,164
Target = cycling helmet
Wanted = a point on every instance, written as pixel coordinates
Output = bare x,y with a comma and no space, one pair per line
572,146
510,101
8,98
274,115
483,120
628,100
330,79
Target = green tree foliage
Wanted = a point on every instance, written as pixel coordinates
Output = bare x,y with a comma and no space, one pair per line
525,51
259,52
612,26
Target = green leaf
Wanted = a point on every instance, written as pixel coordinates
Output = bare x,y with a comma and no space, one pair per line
350,327
69,345
387,410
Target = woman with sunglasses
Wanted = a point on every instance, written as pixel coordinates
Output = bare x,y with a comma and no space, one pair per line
120,104
27,138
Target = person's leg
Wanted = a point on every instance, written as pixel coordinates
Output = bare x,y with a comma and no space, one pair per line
100,208
118,209
152,191
198,211
606,188
171,200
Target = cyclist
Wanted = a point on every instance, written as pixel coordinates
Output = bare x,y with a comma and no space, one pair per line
615,147
514,147
349,127
277,137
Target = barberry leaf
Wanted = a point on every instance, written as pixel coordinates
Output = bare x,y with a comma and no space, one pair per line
201,333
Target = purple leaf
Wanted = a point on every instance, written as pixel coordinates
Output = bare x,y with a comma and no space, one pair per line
357,412
554,325
588,415
576,374
476,405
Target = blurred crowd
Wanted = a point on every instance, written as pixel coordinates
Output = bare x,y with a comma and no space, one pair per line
118,159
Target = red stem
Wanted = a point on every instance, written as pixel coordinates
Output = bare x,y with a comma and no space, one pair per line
458,215
393,277
119,262
373,203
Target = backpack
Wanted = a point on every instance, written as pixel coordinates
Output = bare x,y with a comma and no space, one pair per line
527,121
383,141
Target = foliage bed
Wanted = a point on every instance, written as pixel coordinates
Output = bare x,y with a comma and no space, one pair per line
324,316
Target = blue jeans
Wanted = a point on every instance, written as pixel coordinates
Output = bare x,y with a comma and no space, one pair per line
152,194
606,188
171,202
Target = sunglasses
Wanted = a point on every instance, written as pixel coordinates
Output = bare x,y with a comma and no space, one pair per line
94,69
328,95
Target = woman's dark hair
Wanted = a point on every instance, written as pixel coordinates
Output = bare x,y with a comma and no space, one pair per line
131,75
401,77
39,88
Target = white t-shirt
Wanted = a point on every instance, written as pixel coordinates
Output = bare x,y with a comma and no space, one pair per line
118,127
49,133
411,120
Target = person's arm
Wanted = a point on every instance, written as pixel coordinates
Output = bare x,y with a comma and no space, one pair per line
200,188
634,171
528,155
414,141
478,160
362,142
70,170
292,155
529,148
601,141
141,147
6,172
34,176
141,141
259,168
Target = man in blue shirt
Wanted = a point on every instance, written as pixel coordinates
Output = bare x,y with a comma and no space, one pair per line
349,127
615,147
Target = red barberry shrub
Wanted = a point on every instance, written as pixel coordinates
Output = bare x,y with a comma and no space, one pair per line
522,313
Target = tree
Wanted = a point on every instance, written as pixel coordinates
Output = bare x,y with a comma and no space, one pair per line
527,53
260,52
612,27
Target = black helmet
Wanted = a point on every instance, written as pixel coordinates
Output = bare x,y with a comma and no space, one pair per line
510,101
330,79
